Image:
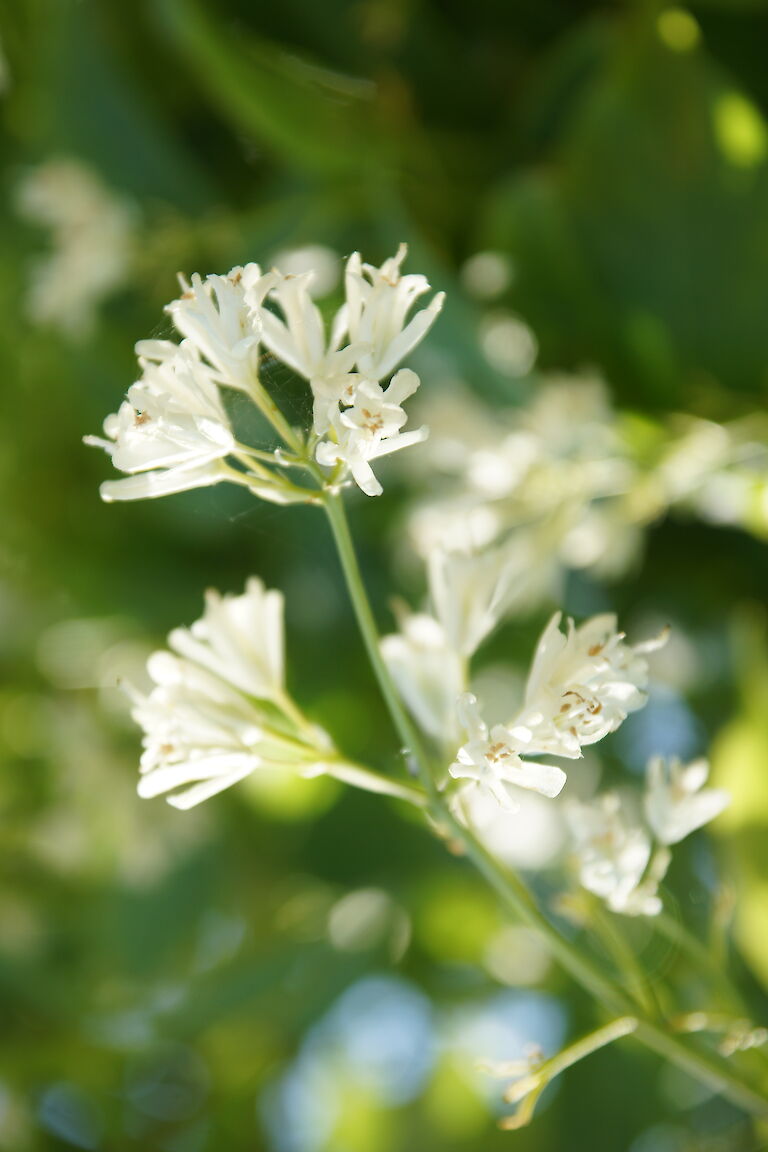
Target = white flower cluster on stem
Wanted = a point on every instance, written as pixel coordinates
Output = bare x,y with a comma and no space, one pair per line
174,432
219,709
429,657
614,848
582,684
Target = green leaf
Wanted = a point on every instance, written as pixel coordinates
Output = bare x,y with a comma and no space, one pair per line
320,120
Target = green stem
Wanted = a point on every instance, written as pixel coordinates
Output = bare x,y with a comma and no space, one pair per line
527,1090
678,935
511,890
406,729
272,413
705,1066
624,959
624,1026
371,781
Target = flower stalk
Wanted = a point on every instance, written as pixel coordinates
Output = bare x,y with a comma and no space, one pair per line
514,895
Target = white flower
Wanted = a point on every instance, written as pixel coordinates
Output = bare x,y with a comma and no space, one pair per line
297,337
202,735
676,802
428,674
220,316
615,857
582,685
376,315
92,235
239,638
172,433
205,721
492,760
560,472
371,428
470,591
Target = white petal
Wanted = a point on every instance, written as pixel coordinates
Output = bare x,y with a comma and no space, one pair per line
220,766
365,478
546,779
148,485
203,791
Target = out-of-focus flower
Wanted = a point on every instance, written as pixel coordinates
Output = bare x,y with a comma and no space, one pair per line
172,433
533,837
469,592
509,344
676,801
492,760
582,685
554,479
218,710
428,673
573,482
321,261
718,471
371,428
92,235
615,857
487,274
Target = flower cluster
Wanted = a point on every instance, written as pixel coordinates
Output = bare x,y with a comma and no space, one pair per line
614,848
567,482
428,658
582,685
218,709
174,431
556,471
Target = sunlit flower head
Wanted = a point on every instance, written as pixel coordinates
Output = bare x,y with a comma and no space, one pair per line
491,760
218,709
294,330
172,433
218,317
370,428
240,639
228,324
582,685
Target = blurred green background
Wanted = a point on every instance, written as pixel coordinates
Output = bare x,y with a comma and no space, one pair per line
302,969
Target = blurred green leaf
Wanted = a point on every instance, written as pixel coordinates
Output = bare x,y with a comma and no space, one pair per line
320,120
